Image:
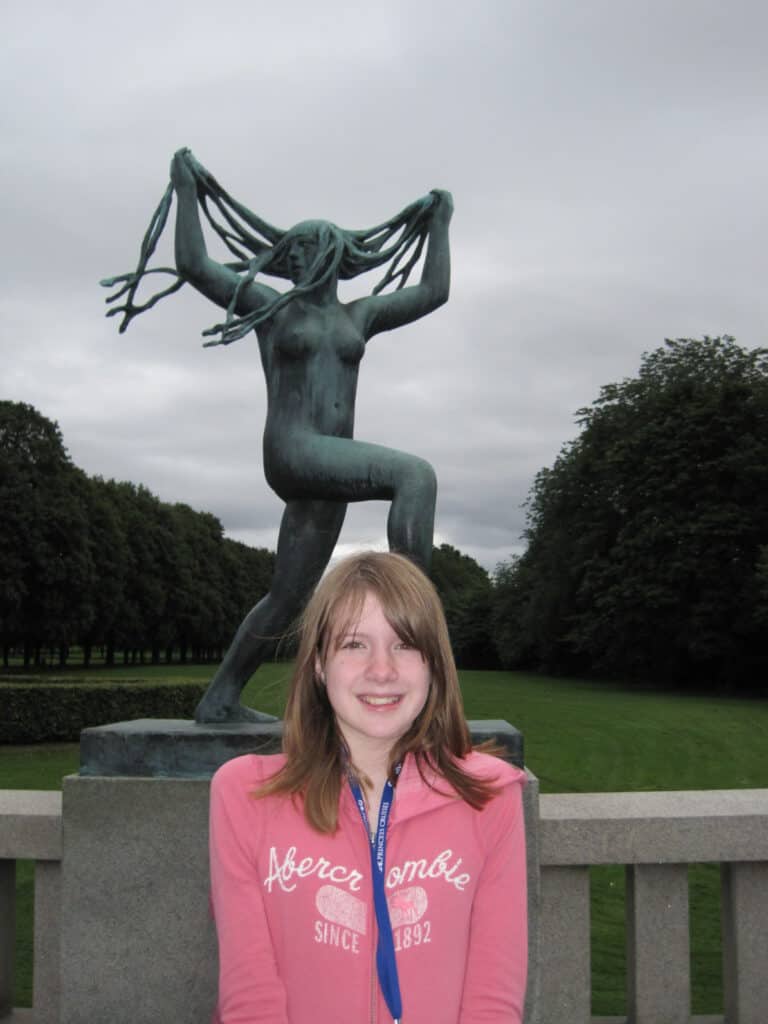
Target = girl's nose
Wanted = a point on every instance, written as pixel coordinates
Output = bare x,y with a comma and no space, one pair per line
381,666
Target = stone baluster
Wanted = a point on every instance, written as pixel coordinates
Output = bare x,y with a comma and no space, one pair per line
658,944
745,941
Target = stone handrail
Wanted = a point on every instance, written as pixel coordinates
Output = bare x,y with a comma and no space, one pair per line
30,829
655,835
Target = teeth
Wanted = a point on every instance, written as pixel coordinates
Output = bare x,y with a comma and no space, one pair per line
380,700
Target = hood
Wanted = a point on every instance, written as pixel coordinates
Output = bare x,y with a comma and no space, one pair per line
413,799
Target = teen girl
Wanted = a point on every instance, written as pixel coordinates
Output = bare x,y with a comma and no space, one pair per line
374,871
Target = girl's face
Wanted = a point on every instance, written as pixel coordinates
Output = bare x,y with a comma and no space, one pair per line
376,684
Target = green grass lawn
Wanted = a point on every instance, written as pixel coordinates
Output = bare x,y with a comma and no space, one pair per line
579,737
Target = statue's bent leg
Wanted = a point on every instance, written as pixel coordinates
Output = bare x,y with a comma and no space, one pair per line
411,521
308,534
349,470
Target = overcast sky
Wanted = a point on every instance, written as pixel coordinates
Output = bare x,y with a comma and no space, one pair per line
608,163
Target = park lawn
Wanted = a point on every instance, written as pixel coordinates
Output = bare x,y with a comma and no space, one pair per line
580,736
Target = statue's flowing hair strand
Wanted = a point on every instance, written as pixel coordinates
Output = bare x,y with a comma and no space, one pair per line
260,247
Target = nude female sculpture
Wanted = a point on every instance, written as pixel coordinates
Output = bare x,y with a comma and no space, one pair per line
311,345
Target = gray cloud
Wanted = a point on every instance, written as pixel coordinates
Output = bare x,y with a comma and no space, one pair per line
608,164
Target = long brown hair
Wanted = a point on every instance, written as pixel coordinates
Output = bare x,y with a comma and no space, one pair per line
316,763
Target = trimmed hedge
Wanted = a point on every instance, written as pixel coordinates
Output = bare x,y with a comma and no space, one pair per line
45,712
72,678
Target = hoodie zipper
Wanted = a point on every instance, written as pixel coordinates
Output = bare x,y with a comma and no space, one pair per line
374,943
374,979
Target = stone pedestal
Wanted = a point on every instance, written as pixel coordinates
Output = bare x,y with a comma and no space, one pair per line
137,939
181,749
172,748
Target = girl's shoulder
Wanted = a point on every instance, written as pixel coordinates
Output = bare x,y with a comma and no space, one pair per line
491,769
237,820
421,789
250,770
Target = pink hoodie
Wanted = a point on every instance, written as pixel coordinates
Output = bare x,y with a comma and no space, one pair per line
294,908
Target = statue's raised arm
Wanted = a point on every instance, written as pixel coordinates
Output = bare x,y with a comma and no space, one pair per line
385,312
311,344
216,281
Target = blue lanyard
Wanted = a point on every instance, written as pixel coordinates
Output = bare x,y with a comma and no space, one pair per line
386,965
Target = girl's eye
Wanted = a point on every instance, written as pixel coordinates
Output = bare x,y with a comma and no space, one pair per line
351,645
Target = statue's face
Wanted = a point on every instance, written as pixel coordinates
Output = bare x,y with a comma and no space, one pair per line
302,249
301,255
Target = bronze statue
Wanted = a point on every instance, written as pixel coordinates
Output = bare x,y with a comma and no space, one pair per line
311,345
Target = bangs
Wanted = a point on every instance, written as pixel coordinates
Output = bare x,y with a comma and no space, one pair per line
404,608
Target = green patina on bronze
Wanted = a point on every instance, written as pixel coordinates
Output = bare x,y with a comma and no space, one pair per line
311,345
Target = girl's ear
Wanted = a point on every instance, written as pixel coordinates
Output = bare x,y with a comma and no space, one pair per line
319,670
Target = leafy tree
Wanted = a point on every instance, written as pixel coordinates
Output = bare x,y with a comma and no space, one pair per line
46,562
248,574
646,538
761,579
111,558
511,591
149,547
465,590
108,564
199,619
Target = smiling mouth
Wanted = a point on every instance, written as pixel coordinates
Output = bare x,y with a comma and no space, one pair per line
380,702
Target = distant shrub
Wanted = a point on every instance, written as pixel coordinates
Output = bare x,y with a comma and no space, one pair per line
37,712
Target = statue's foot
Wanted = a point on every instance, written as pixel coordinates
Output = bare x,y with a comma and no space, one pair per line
213,711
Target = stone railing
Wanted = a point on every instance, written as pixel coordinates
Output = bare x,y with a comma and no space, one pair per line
30,829
654,835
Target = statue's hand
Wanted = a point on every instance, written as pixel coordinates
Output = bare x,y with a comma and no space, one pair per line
202,174
444,202
181,172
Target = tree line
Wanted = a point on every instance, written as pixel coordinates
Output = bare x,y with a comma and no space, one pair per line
106,565
647,554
